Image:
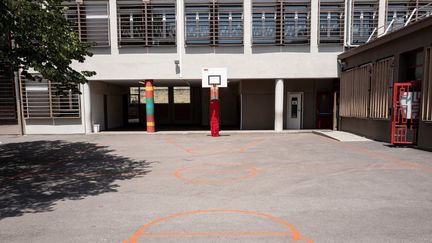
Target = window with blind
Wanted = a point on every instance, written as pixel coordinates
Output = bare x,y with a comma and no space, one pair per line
354,92
380,93
146,23
90,20
364,20
399,12
427,87
331,21
41,99
281,22
213,22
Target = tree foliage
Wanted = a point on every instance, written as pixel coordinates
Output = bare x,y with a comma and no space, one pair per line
34,34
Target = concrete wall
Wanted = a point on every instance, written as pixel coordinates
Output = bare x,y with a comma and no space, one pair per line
245,62
258,99
10,129
425,135
54,126
374,129
114,104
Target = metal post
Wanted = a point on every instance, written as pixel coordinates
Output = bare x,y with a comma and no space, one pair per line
214,111
150,106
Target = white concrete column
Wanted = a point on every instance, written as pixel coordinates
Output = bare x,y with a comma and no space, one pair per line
180,16
382,16
86,110
314,31
247,26
279,101
113,27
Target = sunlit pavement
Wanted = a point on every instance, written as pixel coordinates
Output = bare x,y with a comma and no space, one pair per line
259,187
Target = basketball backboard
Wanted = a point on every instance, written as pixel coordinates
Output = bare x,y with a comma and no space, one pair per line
214,77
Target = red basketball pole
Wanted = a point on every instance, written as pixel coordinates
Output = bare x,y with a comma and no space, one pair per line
214,111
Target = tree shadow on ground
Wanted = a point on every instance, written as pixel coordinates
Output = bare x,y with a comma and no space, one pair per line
35,175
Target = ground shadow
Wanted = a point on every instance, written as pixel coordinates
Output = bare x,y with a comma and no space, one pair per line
35,175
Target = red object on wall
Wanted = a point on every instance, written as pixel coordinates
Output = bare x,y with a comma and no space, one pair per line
214,117
406,110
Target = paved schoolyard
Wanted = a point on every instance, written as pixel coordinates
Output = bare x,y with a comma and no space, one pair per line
194,188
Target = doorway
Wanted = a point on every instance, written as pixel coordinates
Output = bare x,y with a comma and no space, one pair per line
295,110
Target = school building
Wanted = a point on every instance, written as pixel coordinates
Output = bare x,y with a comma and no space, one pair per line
281,57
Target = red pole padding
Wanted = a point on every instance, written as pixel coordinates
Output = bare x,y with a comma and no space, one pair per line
214,118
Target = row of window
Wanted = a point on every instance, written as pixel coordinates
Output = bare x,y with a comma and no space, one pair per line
274,22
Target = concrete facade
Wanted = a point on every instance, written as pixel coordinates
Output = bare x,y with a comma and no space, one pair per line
309,69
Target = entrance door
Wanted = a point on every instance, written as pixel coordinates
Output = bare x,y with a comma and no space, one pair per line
295,111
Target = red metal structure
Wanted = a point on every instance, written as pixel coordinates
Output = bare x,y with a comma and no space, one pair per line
406,109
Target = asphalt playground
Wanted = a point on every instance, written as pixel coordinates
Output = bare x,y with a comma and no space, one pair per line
240,187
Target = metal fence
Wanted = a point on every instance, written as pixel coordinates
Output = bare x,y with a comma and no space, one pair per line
41,100
213,22
146,23
90,20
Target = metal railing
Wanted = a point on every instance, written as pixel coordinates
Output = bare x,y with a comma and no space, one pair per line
281,22
41,100
146,23
364,21
213,22
90,20
401,13
332,18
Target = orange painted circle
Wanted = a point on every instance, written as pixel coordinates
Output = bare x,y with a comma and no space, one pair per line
296,236
216,173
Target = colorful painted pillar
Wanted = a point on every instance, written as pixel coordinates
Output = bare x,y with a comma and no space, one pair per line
150,106
214,111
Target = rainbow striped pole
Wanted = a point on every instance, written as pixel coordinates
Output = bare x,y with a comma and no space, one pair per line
150,106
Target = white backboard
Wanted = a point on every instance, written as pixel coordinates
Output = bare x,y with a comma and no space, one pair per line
214,76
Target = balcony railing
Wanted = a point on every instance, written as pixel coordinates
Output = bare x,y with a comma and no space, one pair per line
90,20
213,22
281,22
332,21
146,23
364,21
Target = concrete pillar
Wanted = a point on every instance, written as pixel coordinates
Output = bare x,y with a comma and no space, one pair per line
279,101
180,35
247,27
314,31
150,106
113,27
382,16
87,108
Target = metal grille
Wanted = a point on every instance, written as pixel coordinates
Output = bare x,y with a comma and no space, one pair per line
364,21
281,22
214,22
90,20
427,87
354,96
146,23
400,12
332,21
381,81
8,110
40,100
